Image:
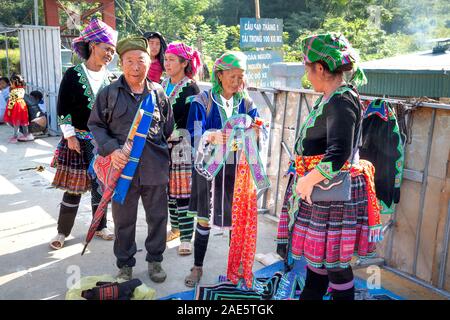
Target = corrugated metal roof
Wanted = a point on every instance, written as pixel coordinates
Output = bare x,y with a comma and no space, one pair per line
425,61
421,74
399,84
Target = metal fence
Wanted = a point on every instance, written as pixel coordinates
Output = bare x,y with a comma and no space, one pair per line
40,64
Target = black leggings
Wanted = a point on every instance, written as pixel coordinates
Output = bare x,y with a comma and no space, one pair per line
340,280
200,244
69,209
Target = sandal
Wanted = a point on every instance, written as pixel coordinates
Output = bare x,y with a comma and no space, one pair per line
185,249
12,140
105,234
194,278
173,234
58,241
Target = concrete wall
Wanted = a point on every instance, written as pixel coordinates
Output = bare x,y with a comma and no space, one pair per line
399,245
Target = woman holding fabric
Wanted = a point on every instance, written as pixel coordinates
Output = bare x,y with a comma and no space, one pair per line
77,92
328,233
158,47
181,63
210,110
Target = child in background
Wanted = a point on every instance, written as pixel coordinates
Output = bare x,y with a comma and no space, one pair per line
16,113
37,114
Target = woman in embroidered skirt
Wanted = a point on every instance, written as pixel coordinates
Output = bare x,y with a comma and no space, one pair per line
210,110
75,151
16,112
158,47
327,234
181,63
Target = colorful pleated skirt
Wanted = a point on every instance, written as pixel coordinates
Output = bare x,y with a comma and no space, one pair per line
180,173
328,234
71,167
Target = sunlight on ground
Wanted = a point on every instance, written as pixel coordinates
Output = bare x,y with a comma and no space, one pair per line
7,187
67,251
46,160
15,275
58,255
32,152
173,244
47,175
43,143
25,228
3,149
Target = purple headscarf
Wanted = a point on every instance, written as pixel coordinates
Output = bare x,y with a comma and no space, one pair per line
96,31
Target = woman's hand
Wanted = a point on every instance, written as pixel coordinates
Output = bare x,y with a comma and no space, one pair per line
118,159
217,137
304,188
305,185
74,144
257,129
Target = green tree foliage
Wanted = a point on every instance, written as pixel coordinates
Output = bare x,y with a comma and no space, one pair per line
14,12
173,18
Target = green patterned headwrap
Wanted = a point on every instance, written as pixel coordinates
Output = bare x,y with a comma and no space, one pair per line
229,60
335,50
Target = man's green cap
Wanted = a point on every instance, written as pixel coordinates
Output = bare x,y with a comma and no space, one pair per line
133,43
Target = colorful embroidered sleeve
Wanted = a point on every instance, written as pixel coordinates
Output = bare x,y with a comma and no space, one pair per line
253,112
341,114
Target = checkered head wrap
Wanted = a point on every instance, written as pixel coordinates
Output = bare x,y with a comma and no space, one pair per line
96,31
229,60
335,51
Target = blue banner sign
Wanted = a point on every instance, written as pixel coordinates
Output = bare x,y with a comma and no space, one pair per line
258,67
261,33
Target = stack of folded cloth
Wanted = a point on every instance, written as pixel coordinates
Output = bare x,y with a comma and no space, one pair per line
112,290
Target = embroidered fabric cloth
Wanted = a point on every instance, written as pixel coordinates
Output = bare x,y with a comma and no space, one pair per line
112,290
241,136
335,50
383,146
187,53
244,221
138,135
280,286
96,31
176,88
115,182
244,207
